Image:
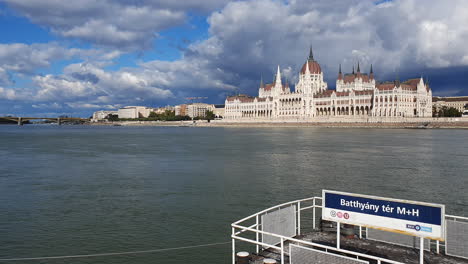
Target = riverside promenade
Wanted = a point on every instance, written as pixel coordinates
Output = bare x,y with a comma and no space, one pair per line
423,123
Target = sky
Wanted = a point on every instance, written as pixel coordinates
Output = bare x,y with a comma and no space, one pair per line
76,57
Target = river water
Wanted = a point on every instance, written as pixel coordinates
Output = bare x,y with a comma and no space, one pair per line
67,190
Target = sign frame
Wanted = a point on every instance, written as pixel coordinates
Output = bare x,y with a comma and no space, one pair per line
327,214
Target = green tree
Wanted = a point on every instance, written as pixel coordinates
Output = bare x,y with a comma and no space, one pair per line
153,115
209,115
449,112
112,117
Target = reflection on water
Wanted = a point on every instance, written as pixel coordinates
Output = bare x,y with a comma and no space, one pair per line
77,189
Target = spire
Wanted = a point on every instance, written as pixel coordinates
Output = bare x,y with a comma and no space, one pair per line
353,69
311,54
340,74
278,76
261,81
358,68
397,81
371,74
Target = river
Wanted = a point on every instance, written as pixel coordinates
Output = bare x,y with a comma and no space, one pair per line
67,190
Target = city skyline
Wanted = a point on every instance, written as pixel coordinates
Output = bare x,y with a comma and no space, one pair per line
75,58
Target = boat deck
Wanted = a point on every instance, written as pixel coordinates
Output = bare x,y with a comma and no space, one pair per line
370,247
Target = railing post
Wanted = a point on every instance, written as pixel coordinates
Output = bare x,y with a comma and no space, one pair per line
313,215
299,218
233,247
360,232
438,246
421,250
338,235
282,250
256,234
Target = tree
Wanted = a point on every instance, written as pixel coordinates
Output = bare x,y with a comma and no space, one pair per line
112,117
449,112
209,115
153,115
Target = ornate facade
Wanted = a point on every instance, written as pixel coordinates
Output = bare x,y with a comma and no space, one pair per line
357,95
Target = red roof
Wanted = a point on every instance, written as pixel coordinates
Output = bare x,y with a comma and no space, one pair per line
349,78
365,92
268,87
450,99
314,67
385,86
326,93
242,98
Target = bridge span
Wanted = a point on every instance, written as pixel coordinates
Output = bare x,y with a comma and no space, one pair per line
59,120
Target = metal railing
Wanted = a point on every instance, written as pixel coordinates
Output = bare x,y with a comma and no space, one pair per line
241,228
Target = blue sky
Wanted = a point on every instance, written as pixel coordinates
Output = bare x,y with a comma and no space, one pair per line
60,57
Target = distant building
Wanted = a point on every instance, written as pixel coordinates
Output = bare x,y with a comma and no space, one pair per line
199,109
162,110
457,102
101,115
218,111
181,110
357,94
134,112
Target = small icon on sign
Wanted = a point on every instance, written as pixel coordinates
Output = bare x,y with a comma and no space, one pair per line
346,216
333,213
417,227
339,214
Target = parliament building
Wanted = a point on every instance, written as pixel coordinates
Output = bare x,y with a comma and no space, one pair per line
357,95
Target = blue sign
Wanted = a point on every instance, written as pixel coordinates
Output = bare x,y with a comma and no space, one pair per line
386,208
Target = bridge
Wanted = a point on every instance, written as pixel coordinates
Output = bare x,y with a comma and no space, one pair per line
59,120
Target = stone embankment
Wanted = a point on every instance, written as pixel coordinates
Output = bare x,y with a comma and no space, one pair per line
423,123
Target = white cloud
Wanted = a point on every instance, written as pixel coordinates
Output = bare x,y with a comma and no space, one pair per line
247,39
125,25
26,59
8,94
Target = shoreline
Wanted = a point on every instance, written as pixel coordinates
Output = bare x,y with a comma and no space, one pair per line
220,123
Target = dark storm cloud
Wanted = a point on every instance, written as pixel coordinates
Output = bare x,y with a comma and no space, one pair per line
249,38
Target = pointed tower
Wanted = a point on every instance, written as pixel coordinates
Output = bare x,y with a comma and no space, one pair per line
278,76
359,70
311,54
371,73
421,87
353,69
261,81
340,74
397,81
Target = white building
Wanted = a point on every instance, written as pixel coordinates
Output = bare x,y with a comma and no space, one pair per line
180,110
199,109
458,102
218,111
357,95
134,112
101,115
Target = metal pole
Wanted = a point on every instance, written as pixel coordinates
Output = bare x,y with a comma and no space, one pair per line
299,218
313,215
338,235
233,247
282,251
360,232
256,234
438,245
421,250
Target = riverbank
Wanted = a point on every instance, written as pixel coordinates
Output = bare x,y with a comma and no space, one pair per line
417,124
